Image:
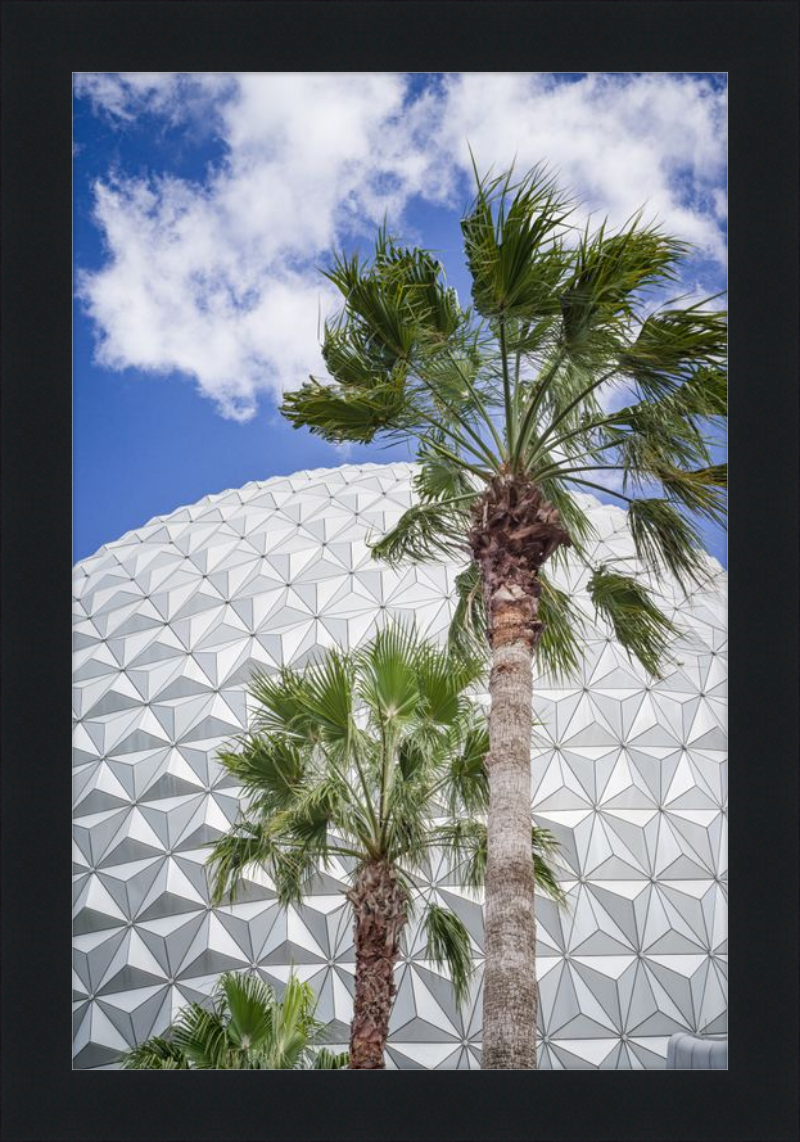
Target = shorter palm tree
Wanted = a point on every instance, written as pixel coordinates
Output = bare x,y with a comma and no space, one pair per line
247,1028
375,758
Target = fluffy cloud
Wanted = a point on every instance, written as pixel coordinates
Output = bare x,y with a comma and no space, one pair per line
217,280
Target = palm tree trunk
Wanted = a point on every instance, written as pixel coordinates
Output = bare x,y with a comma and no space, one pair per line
514,531
380,911
510,992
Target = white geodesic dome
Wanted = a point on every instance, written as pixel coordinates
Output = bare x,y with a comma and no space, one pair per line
630,775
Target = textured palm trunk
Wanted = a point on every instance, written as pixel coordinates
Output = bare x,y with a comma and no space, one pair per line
514,531
510,993
380,910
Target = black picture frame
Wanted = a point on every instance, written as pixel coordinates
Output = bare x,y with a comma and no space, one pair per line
756,43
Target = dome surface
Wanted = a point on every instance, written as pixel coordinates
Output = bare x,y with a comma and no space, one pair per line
169,622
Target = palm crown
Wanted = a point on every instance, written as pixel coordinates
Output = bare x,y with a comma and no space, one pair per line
245,1028
505,395
374,758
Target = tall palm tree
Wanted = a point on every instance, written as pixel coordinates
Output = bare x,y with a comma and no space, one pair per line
506,405
246,1029
375,757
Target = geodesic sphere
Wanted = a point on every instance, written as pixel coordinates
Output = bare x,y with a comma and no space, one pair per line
629,774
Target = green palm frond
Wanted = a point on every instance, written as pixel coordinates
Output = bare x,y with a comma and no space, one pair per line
443,679
387,674
280,700
419,279
545,880
704,394
467,779
155,1054
604,291
638,625
408,810
340,416
250,1004
270,765
449,946
200,1035
437,480
327,695
425,530
464,839
666,540
292,868
294,1027
348,360
671,345
512,240
559,651
652,438
702,491
313,812
467,634
245,846
325,1060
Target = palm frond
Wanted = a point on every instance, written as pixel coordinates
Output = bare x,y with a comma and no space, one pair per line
666,540
387,675
232,854
270,765
512,240
702,491
200,1034
341,416
605,288
652,439
313,812
467,786
327,696
671,345
437,479
423,532
280,701
250,1004
467,633
704,394
295,1027
242,1027
407,820
558,651
292,870
638,625
464,839
157,1053
443,679
325,1060
545,880
449,946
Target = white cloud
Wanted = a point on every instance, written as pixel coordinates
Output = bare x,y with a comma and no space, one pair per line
218,279
618,143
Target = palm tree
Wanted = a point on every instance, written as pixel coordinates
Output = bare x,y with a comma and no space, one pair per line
375,758
506,406
246,1029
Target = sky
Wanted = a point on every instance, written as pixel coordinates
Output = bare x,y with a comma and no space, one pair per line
205,206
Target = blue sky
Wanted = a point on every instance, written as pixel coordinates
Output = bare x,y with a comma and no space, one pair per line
204,205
